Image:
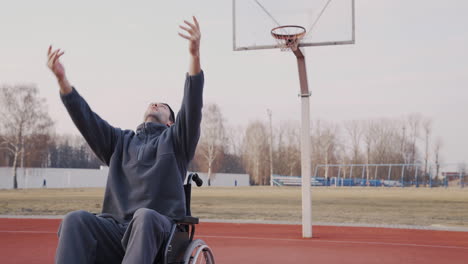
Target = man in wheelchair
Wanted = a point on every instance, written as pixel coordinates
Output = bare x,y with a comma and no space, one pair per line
144,196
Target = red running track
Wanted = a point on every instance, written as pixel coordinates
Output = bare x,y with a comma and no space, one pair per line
34,241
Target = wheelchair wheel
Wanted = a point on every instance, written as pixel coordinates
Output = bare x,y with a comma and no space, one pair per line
198,253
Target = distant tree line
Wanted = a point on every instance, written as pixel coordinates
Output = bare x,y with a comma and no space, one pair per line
28,139
404,140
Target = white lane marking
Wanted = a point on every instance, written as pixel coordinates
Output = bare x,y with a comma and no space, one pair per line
335,241
27,232
281,239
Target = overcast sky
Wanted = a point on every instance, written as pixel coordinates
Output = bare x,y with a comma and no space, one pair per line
409,57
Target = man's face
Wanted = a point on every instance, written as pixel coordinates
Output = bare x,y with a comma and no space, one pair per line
158,112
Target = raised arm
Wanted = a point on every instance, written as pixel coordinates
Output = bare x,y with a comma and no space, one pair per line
187,125
100,136
193,29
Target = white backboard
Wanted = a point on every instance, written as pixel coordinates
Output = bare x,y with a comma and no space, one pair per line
327,22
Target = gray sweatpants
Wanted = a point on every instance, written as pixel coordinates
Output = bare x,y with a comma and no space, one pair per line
87,238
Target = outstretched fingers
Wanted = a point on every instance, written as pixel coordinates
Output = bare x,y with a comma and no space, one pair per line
195,29
53,56
50,61
191,33
58,56
192,29
196,22
184,36
189,30
192,26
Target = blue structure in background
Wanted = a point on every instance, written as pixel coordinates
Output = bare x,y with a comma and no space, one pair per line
381,175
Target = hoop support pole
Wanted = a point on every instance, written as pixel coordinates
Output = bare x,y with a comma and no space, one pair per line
305,146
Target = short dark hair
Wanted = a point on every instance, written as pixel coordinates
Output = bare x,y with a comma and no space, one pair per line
172,116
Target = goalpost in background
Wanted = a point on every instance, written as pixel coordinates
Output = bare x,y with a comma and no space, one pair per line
383,175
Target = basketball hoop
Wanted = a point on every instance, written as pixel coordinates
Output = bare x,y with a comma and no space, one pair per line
288,36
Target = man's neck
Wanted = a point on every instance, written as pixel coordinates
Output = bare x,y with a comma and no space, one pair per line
151,119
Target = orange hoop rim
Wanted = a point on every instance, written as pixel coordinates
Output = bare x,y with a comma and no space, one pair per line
288,37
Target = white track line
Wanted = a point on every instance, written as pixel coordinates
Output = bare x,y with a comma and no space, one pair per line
335,241
267,222
282,239
27,232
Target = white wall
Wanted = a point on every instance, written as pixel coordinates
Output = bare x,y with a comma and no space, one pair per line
225,179
73,178
56,178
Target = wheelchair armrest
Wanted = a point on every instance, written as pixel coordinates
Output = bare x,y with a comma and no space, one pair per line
186,220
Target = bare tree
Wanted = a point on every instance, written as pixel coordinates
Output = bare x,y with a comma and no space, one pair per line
403,143
369,136
255,152
366,142
317,155
270,136
234,137
343,159
71,151
355,132
382,136
427,127
414,125
287,160
213,136
36,149
23,114
437,159
462,173
324,144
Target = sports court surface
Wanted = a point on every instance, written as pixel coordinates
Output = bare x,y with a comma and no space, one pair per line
34,241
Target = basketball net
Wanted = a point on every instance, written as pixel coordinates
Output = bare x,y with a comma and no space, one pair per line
288,37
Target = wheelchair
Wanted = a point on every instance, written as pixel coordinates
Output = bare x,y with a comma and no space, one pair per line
181,248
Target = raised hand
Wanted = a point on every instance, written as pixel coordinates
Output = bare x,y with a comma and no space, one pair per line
54,64
57,68
193,36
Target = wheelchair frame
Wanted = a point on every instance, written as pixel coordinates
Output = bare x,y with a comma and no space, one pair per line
183,232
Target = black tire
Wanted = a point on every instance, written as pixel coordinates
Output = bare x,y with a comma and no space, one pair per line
198,252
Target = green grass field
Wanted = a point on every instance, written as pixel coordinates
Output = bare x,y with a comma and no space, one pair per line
406,206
